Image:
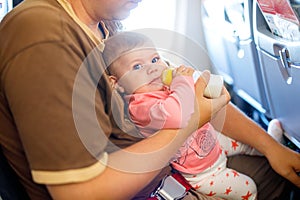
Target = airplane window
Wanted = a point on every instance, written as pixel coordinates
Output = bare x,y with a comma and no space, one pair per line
152,14
5,7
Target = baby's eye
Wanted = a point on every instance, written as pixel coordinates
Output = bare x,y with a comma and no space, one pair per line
138,66
155,59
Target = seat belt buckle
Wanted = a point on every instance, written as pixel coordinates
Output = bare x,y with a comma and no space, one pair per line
169,189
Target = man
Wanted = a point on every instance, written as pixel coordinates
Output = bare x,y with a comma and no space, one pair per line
55,117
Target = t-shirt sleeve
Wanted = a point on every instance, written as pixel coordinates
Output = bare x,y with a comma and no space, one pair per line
59,113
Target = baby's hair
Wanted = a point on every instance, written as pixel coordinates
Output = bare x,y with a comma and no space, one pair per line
122,43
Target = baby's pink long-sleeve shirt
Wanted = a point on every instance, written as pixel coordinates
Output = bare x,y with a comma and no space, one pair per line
172,108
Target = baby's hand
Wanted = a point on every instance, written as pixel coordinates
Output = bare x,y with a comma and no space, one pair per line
184,71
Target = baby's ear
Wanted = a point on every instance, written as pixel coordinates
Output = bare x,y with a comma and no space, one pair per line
119,88
114,84
167,62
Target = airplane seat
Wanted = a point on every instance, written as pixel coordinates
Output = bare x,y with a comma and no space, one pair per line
230,43
10,187
280,66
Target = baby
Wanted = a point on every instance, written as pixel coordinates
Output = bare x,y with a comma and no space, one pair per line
135,69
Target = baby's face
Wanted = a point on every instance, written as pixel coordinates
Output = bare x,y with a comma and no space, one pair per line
140,71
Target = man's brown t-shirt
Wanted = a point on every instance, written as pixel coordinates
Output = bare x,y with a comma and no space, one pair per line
54,116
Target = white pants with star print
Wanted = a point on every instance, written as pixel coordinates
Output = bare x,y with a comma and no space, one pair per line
220,181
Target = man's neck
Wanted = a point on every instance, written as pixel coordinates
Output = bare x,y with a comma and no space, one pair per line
84,15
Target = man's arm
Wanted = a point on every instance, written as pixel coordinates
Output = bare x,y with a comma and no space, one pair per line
130,170
235,124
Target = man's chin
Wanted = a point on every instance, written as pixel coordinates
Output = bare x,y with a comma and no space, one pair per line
121,16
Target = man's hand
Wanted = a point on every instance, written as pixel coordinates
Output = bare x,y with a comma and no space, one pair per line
285,162
206,107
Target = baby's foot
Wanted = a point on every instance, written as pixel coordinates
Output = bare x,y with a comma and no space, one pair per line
275,130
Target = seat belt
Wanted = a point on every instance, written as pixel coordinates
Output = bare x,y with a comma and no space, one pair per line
172,187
